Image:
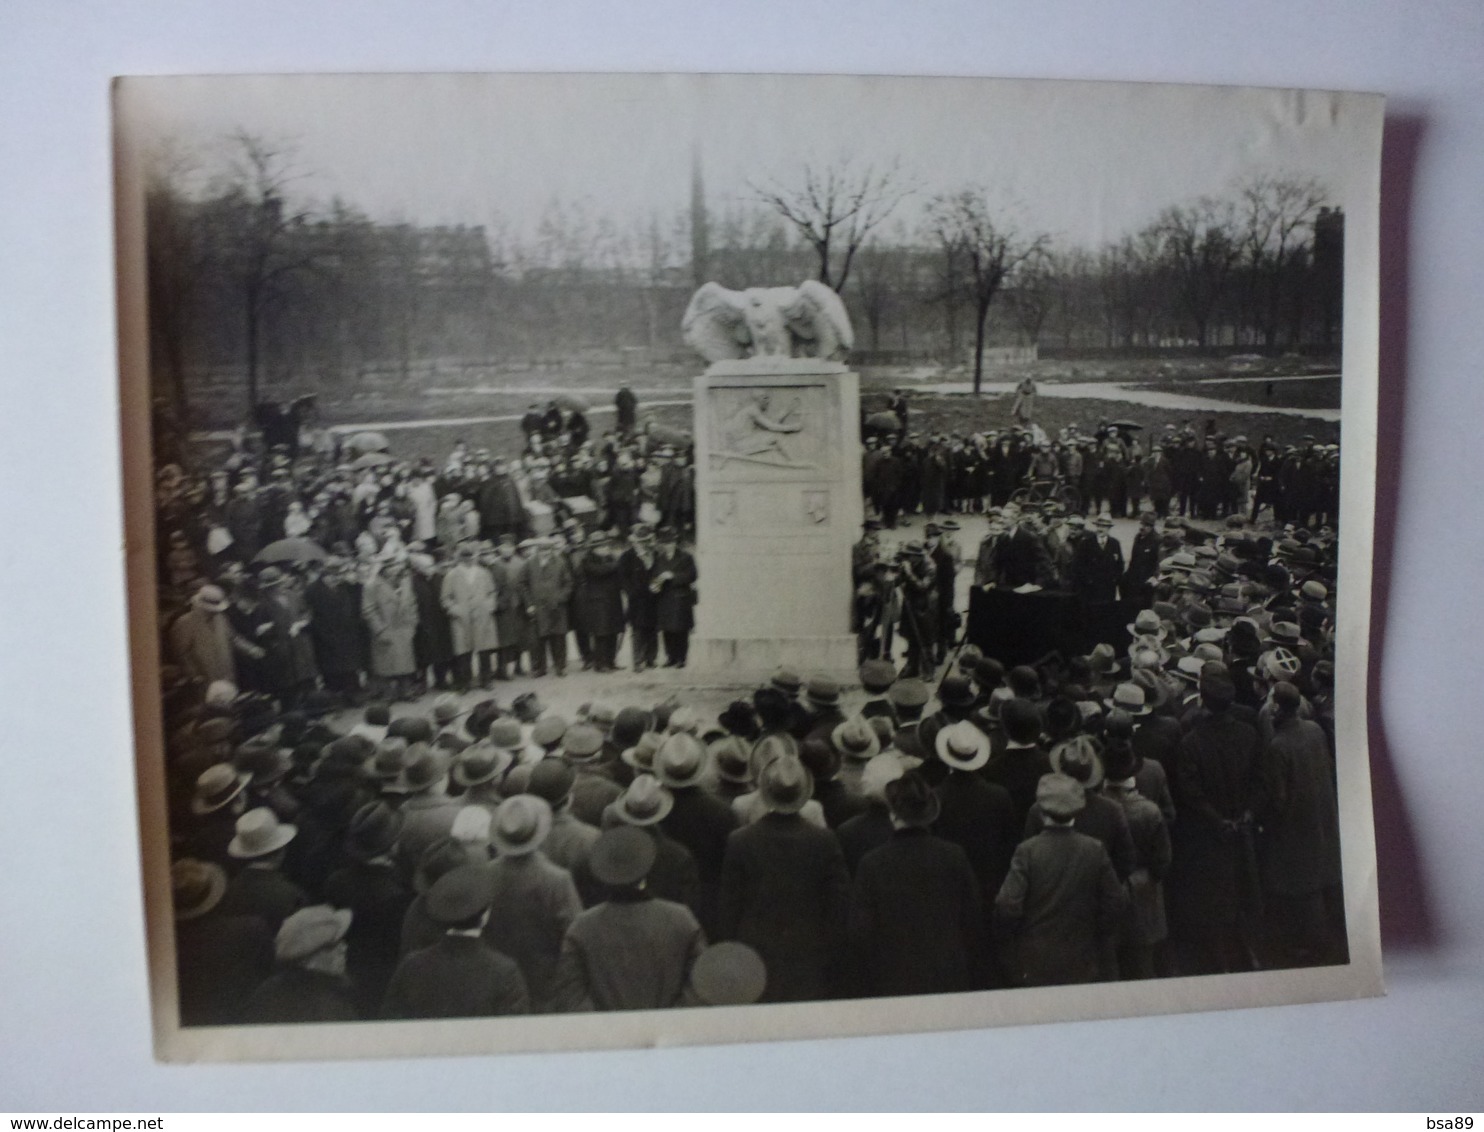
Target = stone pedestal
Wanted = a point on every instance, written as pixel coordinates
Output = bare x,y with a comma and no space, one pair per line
778,509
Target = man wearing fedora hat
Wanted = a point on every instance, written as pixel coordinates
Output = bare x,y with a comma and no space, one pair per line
570,839
821,707
644,804
1080,758
220,959
632,951
785,889
916,907
220,798
371,887
460,976
1097,569
1300,847
310,984
1019,766
594,786
698,819
1213,884
1145,929
260,888
1061,906
533,902
202,637
975,814
427,811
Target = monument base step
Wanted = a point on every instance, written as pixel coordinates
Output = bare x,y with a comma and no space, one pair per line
746,660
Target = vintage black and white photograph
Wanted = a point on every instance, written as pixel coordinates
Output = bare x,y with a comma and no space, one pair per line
634,558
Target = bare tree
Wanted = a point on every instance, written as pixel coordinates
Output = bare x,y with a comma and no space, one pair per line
1276,211
264,245
1199,247
176,259
835,208
989,249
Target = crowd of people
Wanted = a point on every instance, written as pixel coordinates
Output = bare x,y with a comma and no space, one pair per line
1178,471
299,567
1164,808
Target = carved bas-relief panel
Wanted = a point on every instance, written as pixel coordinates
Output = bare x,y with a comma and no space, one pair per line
784,433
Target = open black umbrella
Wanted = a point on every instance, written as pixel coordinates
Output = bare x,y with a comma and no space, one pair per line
1132,426
291,550
368,442
573,402
884,421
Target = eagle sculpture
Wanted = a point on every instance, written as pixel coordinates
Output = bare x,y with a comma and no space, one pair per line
807,321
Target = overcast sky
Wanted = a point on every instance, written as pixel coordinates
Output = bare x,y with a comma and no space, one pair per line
1087,162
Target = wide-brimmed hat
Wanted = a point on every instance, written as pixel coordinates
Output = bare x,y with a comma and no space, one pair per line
1146,623
459,895
196,887
1279,664
551,779
1285,633
785,786
962,746
1103,660
217,786
728,974
855,739
876,676
527,707
732,759
373,831
479,764
582,743
645,802
680,761
912,801
210,599
266,762
956,691
884,768
309,931
259,833
909,692
506,734
446,709
823,690
771,747
547,731
641,755
520,825
622,856
1078,758
425,768
1156,689
1128,697
787,681
270,576
1060,797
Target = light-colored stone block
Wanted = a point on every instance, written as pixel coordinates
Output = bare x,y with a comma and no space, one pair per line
778,508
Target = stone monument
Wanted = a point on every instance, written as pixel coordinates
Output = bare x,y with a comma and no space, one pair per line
778,480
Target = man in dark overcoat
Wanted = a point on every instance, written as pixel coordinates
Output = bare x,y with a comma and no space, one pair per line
637,569
545,587
916,911
673,583
597,600
785,890
1218,789
460,976
1097,564
1061,906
